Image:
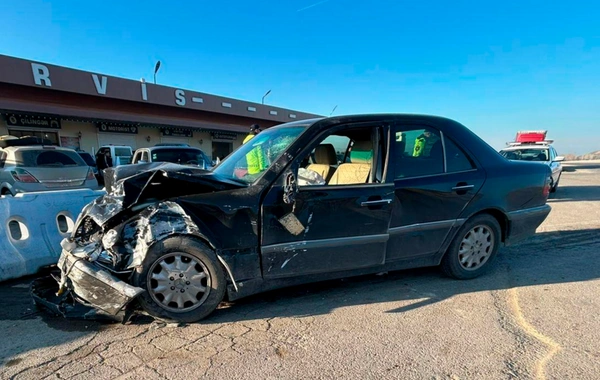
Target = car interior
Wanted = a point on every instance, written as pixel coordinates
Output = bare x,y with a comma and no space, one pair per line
348,157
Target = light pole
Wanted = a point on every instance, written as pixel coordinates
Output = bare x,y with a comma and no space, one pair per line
156,70
264,96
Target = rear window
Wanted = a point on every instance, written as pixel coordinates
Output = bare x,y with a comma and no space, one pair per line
178,156
123,152
43,157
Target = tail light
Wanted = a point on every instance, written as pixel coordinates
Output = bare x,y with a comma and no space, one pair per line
24,176
547,188
90,174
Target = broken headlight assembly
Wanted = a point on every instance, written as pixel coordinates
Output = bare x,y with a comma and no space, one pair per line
110,238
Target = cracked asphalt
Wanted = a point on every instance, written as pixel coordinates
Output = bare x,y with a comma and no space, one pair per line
534,316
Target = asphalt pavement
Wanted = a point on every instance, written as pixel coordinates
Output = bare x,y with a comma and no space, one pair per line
534,316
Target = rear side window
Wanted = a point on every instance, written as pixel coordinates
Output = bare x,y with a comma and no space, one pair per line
418,152
33,158
456,159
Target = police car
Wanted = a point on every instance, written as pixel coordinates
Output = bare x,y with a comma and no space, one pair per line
533,146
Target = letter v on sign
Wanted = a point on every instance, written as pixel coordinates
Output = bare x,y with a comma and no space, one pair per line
100,87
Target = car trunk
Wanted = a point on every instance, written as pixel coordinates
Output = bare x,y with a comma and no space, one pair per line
59,177
53,168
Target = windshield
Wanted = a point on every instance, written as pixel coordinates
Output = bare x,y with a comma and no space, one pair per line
255,157
179,156
47,157
526,154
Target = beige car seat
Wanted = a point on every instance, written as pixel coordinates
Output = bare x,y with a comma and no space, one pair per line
325,159
357,171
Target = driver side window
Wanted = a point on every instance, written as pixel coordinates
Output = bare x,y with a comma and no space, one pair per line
346,157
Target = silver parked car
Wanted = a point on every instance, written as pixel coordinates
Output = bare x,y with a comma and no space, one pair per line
42,168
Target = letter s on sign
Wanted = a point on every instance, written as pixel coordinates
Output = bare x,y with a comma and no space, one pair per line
180,97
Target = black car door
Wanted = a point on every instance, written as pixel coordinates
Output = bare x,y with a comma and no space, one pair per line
333,227
434,181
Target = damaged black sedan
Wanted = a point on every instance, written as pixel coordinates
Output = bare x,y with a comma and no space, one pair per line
301,202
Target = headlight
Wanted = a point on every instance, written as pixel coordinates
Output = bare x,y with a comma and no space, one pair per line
110,238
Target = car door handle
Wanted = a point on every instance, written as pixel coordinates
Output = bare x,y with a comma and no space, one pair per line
378,202
463,187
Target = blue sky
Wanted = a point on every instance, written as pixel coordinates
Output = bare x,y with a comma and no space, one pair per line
496,67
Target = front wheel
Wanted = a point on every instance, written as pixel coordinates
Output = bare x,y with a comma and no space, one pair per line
554,186
183,279
473,249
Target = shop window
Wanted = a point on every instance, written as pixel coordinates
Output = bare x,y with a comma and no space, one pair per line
221,149
52,136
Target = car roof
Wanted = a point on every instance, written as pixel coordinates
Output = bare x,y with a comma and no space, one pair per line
526,146
178,147
37,147
460,134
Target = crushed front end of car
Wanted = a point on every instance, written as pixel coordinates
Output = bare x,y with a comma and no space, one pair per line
112,235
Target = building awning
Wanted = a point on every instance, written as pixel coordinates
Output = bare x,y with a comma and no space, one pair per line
69,112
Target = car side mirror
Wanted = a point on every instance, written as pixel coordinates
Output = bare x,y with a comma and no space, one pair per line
559,159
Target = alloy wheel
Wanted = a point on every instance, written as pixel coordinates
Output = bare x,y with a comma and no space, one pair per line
179,282
476,247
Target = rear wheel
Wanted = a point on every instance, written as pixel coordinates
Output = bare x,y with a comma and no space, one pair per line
473,249
183,280
5,192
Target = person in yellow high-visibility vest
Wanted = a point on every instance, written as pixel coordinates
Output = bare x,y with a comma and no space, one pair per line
256,158
423,144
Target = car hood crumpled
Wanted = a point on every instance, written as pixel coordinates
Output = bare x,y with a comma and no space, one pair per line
131,185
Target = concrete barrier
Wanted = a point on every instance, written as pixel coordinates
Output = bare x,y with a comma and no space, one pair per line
32,226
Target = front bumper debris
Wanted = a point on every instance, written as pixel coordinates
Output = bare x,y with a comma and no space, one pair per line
83,283
43,291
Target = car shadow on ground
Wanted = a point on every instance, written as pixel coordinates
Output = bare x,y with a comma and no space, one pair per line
575,194
544,259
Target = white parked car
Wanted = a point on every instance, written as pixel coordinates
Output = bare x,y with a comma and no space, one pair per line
177,154
533,146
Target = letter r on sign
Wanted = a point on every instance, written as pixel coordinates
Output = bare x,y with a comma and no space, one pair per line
41,74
